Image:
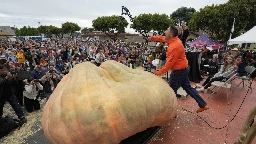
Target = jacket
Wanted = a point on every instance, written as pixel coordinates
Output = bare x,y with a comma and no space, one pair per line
175,54
21,57
226,73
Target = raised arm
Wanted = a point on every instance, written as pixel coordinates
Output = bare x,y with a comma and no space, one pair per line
158,38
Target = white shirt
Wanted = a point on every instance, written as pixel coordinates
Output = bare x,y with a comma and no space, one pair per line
31,92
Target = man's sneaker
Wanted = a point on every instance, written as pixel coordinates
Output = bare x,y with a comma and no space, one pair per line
202,109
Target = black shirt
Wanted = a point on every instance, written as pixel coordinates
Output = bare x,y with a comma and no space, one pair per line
213,67
133,58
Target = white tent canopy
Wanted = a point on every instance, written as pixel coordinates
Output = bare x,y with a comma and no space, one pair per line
248,37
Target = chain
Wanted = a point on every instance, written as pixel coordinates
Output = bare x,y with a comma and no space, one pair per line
144,33
230,114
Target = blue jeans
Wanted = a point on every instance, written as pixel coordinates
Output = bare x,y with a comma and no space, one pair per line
179,78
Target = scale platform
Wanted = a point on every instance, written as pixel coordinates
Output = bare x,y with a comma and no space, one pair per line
139,138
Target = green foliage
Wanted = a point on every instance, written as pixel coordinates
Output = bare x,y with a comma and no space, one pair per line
156,22
57,31
17,32
49,31
143,22
27,31
183,14
111,25
86,30
217,20
250,6
70,28
160,22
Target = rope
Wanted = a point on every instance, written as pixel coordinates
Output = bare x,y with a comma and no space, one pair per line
229,115
230,111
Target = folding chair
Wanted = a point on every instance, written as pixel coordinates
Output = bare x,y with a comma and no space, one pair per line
249,71
226,83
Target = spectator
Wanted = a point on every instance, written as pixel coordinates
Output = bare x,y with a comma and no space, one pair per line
30,94
239,61
21,56
100,58
7,93
224,73
38,72
12,57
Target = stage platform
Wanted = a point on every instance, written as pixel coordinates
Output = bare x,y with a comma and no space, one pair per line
139,138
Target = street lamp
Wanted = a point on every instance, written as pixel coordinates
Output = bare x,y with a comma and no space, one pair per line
125,11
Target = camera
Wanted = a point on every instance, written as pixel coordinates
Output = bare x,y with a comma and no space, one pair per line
13,72
36,80
51,71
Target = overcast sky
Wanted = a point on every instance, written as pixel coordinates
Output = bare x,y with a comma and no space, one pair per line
82,12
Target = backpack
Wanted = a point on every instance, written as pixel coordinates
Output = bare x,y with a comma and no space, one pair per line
7,124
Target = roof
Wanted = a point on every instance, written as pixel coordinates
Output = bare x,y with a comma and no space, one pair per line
248,37
6,31
205,40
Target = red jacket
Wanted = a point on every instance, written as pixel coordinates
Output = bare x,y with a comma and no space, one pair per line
175,54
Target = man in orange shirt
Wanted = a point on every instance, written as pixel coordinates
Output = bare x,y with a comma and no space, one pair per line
177,61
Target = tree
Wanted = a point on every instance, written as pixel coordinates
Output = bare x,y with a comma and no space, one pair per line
17,32
143,22
58,32
70,28
51,30
46,30
156,22
183,14
86,30
27,31
110,25
217,20
206,19
160,22
251,6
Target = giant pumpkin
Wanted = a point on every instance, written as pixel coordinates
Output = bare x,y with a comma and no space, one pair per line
106,104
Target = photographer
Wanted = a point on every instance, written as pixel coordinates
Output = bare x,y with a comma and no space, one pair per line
50,81
7,93
64,69
132,58
30,94
100,58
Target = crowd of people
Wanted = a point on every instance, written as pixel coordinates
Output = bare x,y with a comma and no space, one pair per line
31,69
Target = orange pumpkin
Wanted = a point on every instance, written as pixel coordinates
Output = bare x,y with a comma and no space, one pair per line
106,104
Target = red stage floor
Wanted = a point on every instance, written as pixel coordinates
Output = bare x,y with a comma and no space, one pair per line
190,129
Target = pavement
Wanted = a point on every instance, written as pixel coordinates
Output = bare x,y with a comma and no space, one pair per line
192,128
208,127
37,138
